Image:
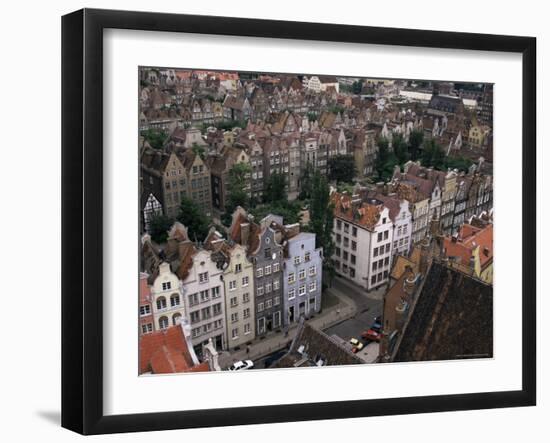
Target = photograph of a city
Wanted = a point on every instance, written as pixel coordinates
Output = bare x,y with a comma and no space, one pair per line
302,220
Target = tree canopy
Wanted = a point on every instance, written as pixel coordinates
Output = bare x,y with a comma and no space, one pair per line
194,218
237,195
275,188
342,168
432,155
155,137
385,161
159,225
321,216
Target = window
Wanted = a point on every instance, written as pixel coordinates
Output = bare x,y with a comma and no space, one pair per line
291,278
207,327
379,236
234,302
216,292
267,270
387,248
204,295
161,303
386,261
339,224
352,272
346,242
399,230
345,268
246,297
352,257
375,266
232,285
302,274
375,252
176,318
346,228
260,290
268,304
268,287
307,256
373,280
260,307
144,309
395,244
196,332
235,333
386,234
206,313
345,255
292,294
166,286
234,317
174,300
195,317
246,313
337,251
163,322
353,245
297,260
312,270
276,319
261,325
275,267
276,301
275,285
312,286
238,268
260,272
338,238
267,251
203,277
302,290
247,328
217,324
147,328
354,231
245,281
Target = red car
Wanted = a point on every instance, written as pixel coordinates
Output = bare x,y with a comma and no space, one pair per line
371,334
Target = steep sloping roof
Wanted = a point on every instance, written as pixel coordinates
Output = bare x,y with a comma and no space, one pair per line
165,352
451,319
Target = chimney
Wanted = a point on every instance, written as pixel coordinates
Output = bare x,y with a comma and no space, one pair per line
245,232
409,284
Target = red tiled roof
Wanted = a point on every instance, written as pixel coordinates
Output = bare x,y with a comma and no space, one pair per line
166,352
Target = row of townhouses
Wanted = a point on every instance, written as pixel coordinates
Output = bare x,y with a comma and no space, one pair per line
262,278
387,221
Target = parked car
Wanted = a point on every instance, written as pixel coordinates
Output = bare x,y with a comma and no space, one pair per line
371,334
356,345
241,365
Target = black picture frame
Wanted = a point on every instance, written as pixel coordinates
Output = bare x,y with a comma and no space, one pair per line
82,215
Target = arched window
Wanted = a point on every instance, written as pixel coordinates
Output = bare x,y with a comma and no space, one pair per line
161,303
176,318
163,322
174,300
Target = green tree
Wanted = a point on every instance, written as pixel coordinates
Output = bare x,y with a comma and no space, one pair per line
415,141
290,211
460,163
305,182
357,87
432,155
194,218
236,190
155,137
321,217
159,226
400,149
275,188
385,161
342,168
199,150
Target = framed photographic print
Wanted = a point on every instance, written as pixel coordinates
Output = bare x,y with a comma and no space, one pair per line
270,221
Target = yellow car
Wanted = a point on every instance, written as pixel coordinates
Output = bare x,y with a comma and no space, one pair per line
357,345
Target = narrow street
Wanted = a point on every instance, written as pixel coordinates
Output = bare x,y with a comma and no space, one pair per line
368,306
